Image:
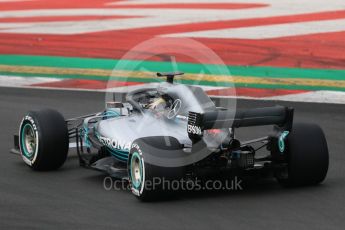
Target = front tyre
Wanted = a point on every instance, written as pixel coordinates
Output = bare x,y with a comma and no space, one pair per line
307,156
43,139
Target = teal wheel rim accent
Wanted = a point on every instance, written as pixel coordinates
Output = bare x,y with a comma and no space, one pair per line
136,170
28,141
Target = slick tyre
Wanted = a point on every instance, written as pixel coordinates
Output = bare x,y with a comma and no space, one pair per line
43,139
149,181
307,156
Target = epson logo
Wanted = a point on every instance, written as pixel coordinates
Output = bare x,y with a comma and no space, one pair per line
194,129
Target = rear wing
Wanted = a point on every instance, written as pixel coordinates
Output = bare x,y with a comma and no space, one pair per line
278,115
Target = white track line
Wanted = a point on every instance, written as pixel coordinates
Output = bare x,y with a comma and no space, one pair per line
331,97
322,96
16,81
270,31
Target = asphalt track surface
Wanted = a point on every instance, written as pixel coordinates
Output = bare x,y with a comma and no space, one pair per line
74,197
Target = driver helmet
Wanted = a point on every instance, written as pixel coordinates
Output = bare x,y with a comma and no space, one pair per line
158,104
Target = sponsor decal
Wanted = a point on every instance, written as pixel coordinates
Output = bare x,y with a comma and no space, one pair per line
139,191
115,143
136,146
194,129
28,119
31,120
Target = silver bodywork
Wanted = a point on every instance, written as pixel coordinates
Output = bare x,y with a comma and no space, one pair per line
119,131
126,129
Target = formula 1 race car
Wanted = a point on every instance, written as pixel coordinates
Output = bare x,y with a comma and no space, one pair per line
174,131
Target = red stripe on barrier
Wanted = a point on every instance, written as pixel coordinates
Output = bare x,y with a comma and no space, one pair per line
53,4
325,50
62,18
65,4
192,6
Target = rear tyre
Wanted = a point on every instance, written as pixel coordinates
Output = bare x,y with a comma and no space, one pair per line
43,139
307,156
148,181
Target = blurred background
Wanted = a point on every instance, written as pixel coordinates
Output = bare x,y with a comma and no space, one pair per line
283,50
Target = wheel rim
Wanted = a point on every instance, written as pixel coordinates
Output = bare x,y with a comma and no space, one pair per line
136,170
28,141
